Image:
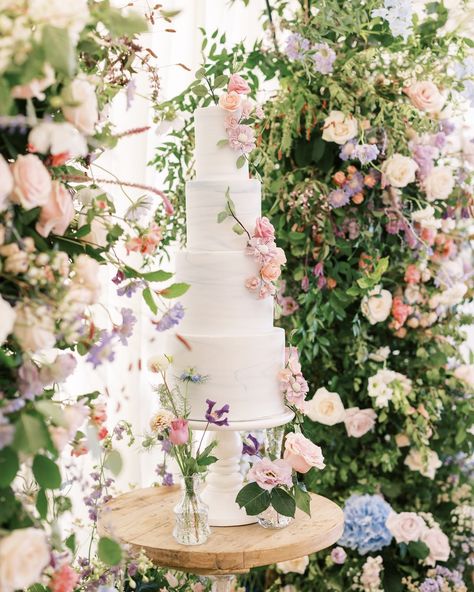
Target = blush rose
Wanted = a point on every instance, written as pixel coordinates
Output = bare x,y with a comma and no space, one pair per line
238,85
57,213
302,454
32,182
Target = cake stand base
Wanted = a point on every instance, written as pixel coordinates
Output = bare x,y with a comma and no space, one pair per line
225,480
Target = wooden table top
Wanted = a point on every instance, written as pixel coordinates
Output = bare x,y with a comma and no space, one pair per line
144,519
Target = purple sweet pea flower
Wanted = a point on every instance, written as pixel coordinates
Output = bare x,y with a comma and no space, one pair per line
215,417
166,446
125,330
347,150
251,448
171,318
62,367
129,289
102,350
30,383
168,480
118,277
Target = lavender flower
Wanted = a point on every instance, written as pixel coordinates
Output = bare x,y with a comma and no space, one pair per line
168,479
429,585
347,150
30,383
125,330
354,184
129,289
102,350
323,58
338,198
365,153
398,14
171,318
296,46
251,448
216,416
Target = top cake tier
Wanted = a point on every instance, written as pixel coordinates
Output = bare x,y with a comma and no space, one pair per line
213,162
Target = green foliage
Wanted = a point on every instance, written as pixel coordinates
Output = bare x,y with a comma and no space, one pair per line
46,472
109,551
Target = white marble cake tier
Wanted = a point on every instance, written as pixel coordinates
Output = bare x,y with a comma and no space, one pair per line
242,371
204,201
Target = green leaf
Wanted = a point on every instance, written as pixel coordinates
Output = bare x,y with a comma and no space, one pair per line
200,73
7,504
30,434
221,216
200,90
240,161
150,300
237,228
253,498
114,462
206,460
46,472
6,100
70,543
418,549
223,142
283,502
157,276
303,500
83,231
175,290
51,410
120,24
220,81
109,551
42,503
59,51
9,465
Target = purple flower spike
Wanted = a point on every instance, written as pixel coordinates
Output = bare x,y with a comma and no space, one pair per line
215,417
251,448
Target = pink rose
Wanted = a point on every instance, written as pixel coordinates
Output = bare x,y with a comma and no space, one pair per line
32,182
271,271
179,432
81,105
406,526
425,96
279,255
302,454
238,84
64,579
34,88
412,274
359,421
338,555
269,474
400,311
231,120
230,101
438,544
264,229
57,213
252,283
6,183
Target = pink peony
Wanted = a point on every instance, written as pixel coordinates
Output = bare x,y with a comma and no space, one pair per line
271,271
438,544
6,183
64,579
179,432
264,229
406,526
359,421
242,138
230,101
425,96
269,474
35,87
57,212
302,454
32,182
238,85
412,274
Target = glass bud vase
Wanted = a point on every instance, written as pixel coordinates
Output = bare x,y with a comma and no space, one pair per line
274,441
270,518
191,513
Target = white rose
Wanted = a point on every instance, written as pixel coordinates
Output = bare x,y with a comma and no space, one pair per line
465,372
7,319
453,295
416,462
293,565
426,219
325,407
81,107
399,170
34,327
339,127
23,555
406,526
376,305
6,184
439,184
438,544
57,139
71,16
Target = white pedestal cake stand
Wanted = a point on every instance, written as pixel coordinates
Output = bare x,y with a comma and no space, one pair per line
225,479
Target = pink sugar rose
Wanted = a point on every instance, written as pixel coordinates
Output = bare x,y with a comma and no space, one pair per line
231,120
252,283
238,85
179,432
279,255
302,454
32,182
412,274
292,360
438,544
406,526
242,138
230,101
295,392
35,87
57,213
269,474
424,95
271,271
264,229
64,579
266,289
359,421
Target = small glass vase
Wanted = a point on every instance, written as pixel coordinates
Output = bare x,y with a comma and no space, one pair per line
270,518
191,513
274,441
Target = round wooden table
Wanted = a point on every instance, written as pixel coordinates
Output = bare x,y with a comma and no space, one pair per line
144,519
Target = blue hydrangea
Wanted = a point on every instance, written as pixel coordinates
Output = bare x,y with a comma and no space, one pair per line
399,15
364,526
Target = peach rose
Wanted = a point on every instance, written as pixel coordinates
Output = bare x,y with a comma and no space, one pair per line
359,421
424,95
438,544
57,213
439,184
238,85
230,101
6,183
34,88
302,454
412,274
400,311
32,182
271,271
81,105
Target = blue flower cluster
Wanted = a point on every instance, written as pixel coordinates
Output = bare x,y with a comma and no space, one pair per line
364,527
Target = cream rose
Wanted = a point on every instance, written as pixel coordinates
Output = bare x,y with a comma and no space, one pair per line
406,526
425,218
34,327
23,555
6,184
7,319
81,105
86,276
325,407
438,544
32,182
230,101
339,128
464,372
376,305
416,462
57,213
399,170
425,96
359,421
58,139
439,184
293,565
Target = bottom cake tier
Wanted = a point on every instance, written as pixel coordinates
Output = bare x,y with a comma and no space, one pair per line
240,370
